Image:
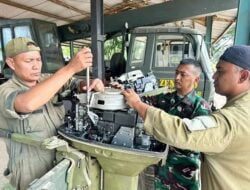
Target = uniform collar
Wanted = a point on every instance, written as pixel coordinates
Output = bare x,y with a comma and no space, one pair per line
19,82
188,98
236,98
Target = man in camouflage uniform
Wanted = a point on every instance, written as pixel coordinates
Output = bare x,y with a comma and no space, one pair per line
222,136
29,105
181,170
182,167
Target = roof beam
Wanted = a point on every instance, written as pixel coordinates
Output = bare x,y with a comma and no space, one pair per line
21,6
200,21
208,36
62,3
216,18
167,12
221,19
163,13
224,31
125,6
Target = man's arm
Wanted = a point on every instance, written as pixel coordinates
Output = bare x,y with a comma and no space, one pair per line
208,134
41,93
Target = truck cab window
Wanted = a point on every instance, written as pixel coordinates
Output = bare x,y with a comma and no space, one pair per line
7,35
171,49
50,47
138,51
162,55
1,56
22,31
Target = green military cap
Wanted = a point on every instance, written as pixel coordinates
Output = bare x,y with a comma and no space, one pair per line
20,45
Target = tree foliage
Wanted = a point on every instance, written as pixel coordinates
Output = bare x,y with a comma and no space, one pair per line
221,45
112,46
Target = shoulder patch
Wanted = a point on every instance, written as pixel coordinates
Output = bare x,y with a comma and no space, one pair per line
205,105
200,123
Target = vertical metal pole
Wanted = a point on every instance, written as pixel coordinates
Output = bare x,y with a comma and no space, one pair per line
208,36
97,37
88,93
71,46
242,34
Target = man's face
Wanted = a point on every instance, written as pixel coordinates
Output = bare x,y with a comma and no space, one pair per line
186,78
27,66
225,78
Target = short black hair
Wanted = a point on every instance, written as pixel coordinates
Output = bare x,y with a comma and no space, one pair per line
189,61
193,62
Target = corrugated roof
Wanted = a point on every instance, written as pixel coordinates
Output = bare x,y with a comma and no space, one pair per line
65,11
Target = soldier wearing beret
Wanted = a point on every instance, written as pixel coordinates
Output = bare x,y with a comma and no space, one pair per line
223,136
30,105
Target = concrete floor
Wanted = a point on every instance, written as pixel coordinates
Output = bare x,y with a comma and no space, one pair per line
3,162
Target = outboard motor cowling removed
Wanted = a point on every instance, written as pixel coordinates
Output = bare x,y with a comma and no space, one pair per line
108,121
109,131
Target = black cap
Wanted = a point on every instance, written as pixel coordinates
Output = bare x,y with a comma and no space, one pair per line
238,55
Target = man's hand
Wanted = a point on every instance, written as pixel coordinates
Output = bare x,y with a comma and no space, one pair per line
95,84
131,97
134,101
81,60
116,85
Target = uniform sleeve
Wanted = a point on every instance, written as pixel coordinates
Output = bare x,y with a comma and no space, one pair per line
7,100
208,134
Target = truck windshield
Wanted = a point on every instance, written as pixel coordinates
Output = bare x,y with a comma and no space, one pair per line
7,34
138,51
50,47
1,56
171,49
22,31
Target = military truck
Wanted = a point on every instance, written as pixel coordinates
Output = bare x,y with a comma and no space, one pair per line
105,147
151,49
160,49
42,32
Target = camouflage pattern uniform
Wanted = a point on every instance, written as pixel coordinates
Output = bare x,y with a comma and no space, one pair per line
27,162
182,168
